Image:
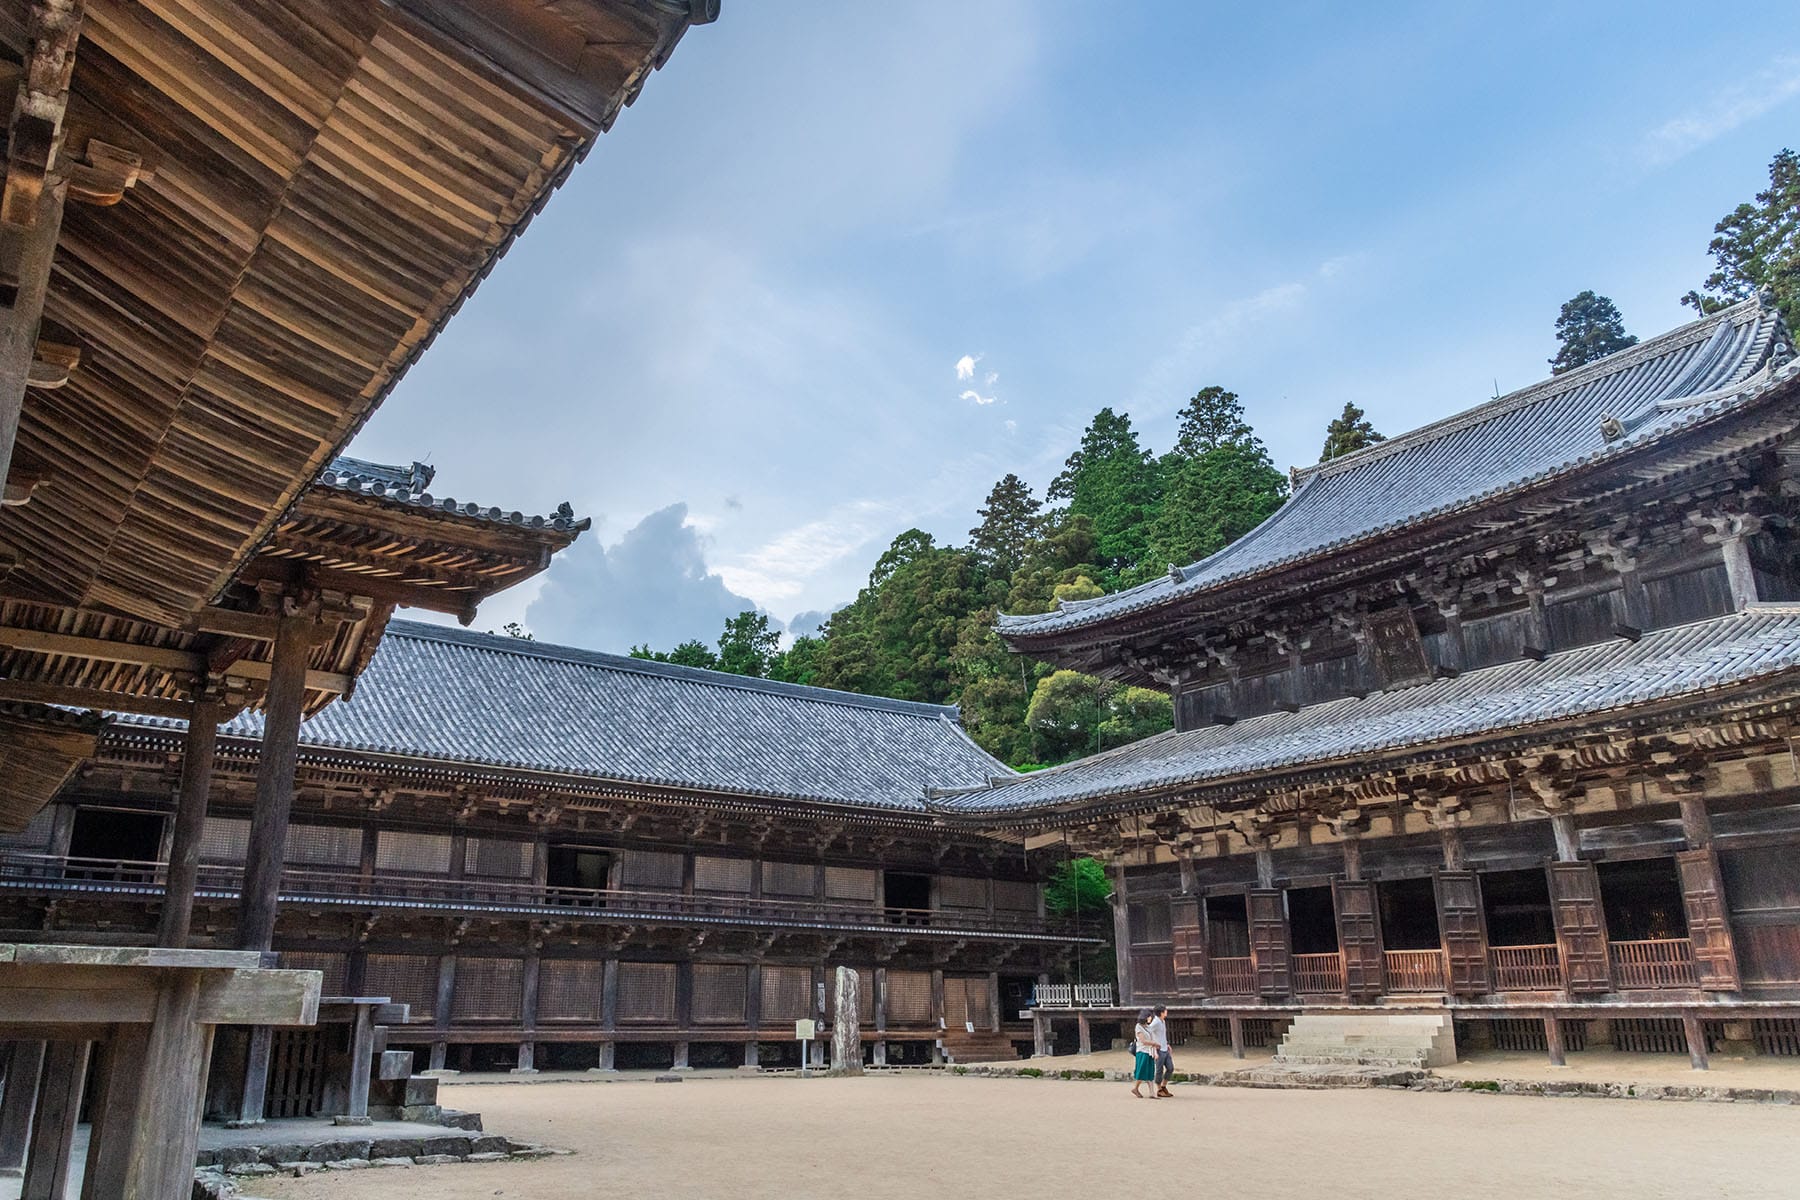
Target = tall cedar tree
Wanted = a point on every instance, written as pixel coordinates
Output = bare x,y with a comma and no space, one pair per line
1589,327
1350,430
1113,481
1758,245
748,646
1218,485
1010,522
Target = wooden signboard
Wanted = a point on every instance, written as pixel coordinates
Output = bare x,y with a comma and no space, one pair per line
1463,927
1187,928
1359,938
1580,926
1398,651
1270,955
1709,929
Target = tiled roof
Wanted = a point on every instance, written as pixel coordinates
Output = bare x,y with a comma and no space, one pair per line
406,485
483,699
1667,665
1652,390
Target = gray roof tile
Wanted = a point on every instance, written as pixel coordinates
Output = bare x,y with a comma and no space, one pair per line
406,485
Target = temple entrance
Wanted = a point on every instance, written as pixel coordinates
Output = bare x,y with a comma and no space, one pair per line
578,867
1312,926
1521,931
907,896
112,835
1413,950
1646,924
1228,945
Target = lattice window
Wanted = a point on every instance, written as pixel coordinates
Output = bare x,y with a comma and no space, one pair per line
865,995
224,840
956,891
720,990
323,846
569,990
405,853
649,869
487,989
1011,895
34,838
789,878
497,858
851,883
909,998
404,979
714,874
647,992
1650,1035
787,994
331,966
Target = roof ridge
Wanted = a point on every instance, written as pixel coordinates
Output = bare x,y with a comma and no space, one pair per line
1697,330
580,656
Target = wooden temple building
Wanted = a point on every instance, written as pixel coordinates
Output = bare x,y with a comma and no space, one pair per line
1493,719
227,229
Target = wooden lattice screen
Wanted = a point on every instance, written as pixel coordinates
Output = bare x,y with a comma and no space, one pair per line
789,878
1011,895
865,995
851,883
909,998
647,992
487,989
569,990
649,869
720,992
296,1078
497,858
405,979
224,840
331,966
715,874
323,845
967,1002
787,994
407,853
957,891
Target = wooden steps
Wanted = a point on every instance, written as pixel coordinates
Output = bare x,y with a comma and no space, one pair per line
983,1045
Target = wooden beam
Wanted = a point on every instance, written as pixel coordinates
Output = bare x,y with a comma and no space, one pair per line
316,681
94,698
67,645
52,994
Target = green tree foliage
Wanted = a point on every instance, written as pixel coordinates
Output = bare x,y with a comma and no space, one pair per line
515,630
1077,887
1111,480
1213,418
1757,245
748,646
800,662
1588,327
688,654
1073,714
1349,430
1010,523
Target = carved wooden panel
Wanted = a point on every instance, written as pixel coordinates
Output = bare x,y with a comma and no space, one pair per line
1709,929
1464,929
1580,926
1188,929
1359,938
1270,952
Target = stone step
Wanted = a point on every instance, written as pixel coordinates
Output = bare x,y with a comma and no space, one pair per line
1416,1040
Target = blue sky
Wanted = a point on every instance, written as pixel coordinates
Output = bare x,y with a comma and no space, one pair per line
845,265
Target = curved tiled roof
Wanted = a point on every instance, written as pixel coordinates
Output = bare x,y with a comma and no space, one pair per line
490,700
1653,390
406,485
1667,665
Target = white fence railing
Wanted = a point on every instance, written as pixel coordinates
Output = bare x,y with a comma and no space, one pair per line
1073,995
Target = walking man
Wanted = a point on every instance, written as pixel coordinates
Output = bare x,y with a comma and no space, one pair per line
1165,1062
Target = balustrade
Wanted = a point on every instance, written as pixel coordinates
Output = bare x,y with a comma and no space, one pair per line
1655,963
1526,968
1233,977
1318,973
1415,970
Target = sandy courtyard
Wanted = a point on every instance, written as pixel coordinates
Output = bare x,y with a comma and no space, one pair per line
917,1136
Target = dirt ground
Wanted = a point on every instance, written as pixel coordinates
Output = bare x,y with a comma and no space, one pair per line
921,1135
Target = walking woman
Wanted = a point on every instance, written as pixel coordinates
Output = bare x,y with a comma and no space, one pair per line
1144,1038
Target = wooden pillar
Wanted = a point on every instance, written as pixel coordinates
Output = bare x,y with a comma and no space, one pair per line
32,249
1084,1034
440,1052
1352,857
1455,856
1568,841
189,824
1042,1044
113,1110
1739,574
609,1012
681,1056
53,1132
162,1151
1553,1040
1265,867
254,1098
1696,821
362,1056
684,1006
994,1000
528,1012
24,1066
282,712
1696,1040
446,991
1236,1023
1121,932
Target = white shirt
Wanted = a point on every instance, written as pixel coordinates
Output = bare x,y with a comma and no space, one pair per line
1146,1040
1160,1032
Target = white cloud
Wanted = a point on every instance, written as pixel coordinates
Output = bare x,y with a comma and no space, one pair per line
1723,112
779,569
991,378
975,397
965,366
1012,426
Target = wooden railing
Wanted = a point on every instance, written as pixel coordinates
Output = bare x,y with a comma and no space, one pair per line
51,874
1233,977
1073,995
1316,973
1526,968
1658,963
1415,970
